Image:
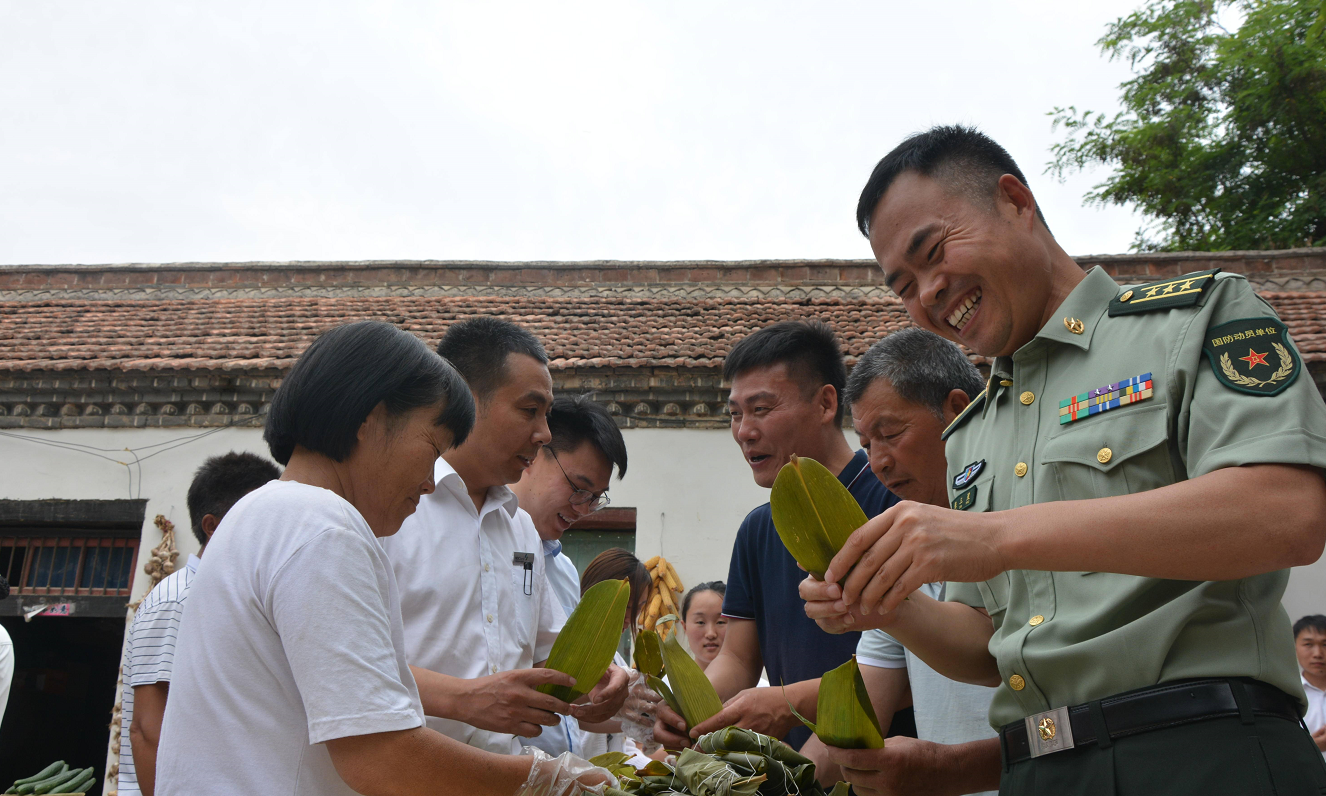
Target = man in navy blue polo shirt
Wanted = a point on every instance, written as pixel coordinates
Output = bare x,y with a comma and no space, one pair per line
786,382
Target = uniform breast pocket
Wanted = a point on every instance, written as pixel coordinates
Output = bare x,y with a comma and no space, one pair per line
1111,454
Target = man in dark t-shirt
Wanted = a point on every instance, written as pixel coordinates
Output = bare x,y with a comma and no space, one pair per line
786,380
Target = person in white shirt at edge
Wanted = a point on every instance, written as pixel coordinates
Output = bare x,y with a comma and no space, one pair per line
1310,647
567,481
903,392
290,672
6,654
149,646
480,618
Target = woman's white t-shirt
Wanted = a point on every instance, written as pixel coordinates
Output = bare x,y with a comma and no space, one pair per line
291,637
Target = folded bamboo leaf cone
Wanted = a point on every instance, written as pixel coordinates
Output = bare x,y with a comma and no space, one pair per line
585,647
813,513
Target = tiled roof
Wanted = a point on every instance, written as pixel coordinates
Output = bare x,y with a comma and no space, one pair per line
264,334
580,332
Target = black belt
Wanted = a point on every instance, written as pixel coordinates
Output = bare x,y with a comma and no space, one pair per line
1143,710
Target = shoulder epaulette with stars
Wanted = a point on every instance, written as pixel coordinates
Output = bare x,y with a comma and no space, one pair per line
976,403
1183,291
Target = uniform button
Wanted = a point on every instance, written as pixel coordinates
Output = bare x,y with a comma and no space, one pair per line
490,619
486,568
1127,295
1005,383
1016,682
1104,455
1020,470
1027,397
1036,620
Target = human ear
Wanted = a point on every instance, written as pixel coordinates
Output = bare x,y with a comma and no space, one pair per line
828,401
210,521
1017,196
954,403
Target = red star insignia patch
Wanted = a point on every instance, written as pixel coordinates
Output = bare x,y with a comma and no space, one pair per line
1253,359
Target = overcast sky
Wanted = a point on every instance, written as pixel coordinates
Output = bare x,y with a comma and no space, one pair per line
179,131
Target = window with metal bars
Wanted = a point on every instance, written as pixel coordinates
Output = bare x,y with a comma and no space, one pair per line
69,566
70,548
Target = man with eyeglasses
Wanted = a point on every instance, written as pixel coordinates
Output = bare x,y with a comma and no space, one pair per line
569,480
480,617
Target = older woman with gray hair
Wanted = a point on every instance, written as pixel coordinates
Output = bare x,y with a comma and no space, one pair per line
291,675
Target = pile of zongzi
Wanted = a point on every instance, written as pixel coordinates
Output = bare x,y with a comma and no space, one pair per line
728,762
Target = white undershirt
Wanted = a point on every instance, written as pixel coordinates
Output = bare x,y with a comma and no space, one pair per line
469,611
1316,715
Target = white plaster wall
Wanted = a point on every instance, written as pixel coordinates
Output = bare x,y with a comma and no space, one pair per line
690,489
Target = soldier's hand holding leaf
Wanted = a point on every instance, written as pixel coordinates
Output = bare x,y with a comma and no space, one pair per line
911,544
824,604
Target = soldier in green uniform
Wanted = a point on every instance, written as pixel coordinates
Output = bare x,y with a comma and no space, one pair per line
1126,499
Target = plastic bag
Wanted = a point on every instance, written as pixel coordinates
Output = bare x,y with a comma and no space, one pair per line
564,775
637,713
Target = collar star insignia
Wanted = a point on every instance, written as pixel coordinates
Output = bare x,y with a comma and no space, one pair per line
1253,359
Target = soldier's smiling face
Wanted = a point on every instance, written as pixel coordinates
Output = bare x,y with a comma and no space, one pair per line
975,273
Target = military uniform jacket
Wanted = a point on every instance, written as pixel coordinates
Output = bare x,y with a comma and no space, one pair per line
1111,398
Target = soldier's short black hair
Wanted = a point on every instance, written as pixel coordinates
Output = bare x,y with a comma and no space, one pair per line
921,366
348,371
575,419
1315,621
809,349
964,159
221,481
479,347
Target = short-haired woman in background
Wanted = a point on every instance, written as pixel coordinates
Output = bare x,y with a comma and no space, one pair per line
291,675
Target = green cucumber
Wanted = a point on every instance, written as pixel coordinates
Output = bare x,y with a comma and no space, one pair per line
28,787
49,771
64,776
81,784
59,785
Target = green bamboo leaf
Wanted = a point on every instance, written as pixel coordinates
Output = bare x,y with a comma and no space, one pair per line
587,642
694,693
648,653
846,716
661,688
813,513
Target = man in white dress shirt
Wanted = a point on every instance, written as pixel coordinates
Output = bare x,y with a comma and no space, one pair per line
569,480
480,617
1310,647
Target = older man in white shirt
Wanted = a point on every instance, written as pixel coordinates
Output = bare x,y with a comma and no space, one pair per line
480,618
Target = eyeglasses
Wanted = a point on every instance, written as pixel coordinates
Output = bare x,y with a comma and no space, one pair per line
582,497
